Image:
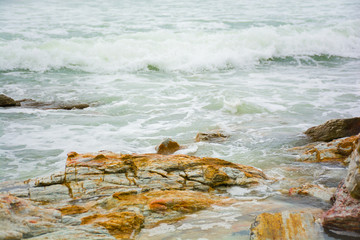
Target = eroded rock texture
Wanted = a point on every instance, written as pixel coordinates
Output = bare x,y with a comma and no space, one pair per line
108,195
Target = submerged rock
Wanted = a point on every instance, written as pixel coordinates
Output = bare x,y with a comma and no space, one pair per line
30,103
6,101
168,146
333,129
317,191
117,195
212,136
286,225
335,151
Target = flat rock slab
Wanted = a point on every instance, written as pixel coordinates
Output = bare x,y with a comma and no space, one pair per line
117,195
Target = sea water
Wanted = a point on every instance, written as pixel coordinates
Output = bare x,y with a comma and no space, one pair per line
261,71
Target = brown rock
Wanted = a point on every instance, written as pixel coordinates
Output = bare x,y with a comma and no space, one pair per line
345,212
333,129
213,136
6,101
285,225
168,146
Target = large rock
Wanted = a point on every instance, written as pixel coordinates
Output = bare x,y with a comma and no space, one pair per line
6,101
345,212
286,225
335,151
352,180
317,191
333,129
116,195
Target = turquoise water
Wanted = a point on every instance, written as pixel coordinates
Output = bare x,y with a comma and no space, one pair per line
262,71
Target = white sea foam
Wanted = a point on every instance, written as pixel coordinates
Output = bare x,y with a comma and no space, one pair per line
189,51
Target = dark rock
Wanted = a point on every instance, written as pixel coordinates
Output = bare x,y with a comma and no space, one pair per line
168,146
213,136
336,128
6,101
345,212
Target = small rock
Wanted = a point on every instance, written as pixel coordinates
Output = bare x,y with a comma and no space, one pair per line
212,136
168,146
6,101
72,106
336,128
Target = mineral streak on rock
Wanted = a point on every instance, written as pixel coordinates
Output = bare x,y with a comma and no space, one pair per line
285,225
335,151
333,129
168,146
352,180
106,195
345,212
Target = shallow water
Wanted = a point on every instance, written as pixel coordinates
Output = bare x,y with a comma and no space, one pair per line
263,72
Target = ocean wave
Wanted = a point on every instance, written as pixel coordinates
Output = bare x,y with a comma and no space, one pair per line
189,51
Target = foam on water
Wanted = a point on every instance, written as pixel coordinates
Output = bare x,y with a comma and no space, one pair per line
188,52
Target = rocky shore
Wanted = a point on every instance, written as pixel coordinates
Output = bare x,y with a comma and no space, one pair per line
107,195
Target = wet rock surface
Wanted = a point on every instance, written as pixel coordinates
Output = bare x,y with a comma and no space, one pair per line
6,101
335,151
168,146
286,225
212,136
333,129
107,195
345,212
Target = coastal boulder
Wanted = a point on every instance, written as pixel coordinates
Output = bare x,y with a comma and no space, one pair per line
6,101
168,146
333,129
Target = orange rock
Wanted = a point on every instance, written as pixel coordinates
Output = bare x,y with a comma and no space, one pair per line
335,151
119,224
285,225
168,146
72,209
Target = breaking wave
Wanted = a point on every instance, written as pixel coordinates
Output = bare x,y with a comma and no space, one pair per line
165,50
